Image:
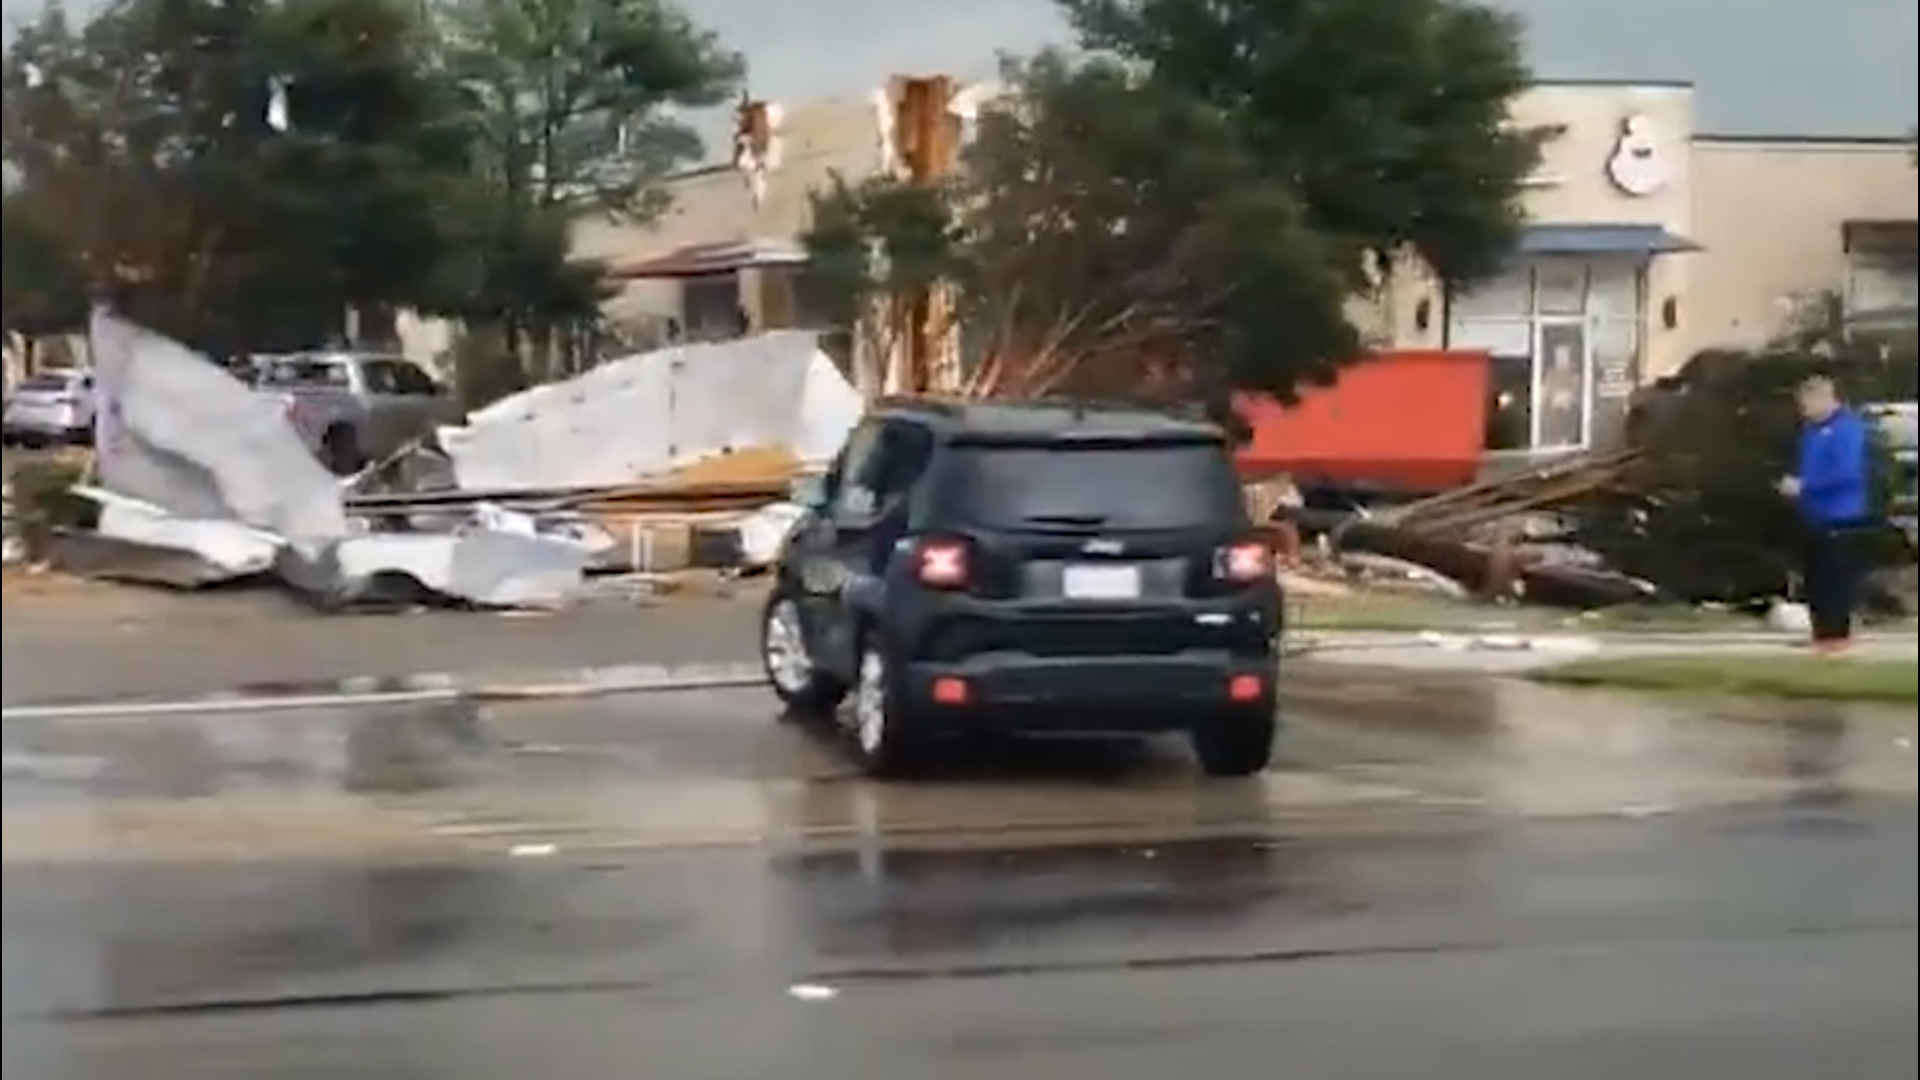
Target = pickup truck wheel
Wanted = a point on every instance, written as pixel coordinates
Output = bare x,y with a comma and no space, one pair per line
807,692
1235,743
340,451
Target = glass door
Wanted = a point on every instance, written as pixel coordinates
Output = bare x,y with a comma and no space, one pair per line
1563,409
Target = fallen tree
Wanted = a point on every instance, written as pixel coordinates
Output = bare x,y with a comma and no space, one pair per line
1698,514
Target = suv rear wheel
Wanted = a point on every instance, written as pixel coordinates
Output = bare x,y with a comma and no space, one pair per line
806,691
1235,744
883,736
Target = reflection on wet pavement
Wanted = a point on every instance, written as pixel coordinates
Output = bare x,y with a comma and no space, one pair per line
116,939
1525,748
903,903
449,892
713,767
382,749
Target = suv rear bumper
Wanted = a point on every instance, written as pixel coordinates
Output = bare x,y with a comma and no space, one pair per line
1162,692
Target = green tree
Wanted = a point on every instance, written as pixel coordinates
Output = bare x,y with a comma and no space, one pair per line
577,101
1082,252
1115,227
1386,121
239,173
575,107
873,247
41,288
1206,190
510,271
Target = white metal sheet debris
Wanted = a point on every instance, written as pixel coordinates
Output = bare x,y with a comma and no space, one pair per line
643,415
201,463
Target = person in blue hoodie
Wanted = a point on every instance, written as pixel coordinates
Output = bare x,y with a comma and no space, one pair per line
1832,488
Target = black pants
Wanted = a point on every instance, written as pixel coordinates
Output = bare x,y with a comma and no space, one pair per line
1831,574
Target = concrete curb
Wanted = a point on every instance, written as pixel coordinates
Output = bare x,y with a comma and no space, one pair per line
621,679
428,688
1346,639
1519,655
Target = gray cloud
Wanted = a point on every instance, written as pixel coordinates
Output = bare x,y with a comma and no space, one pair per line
1762,66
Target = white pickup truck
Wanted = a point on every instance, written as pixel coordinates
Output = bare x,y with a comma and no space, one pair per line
355,408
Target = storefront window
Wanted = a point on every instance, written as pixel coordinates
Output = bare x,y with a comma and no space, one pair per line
1560,287
1564,335
1882,283
1510,404
1616,357
1562,385
1510,386
1509,296
1613,289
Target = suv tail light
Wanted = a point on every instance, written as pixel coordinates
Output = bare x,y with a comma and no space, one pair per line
941,563
1246,561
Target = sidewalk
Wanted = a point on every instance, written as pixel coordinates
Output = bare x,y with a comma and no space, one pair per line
1517,653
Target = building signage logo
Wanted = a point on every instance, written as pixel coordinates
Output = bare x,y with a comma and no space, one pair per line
1639,165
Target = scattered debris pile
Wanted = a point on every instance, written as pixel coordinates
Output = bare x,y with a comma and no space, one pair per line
1494,540
1502,538
1697,511
198,480
1687,512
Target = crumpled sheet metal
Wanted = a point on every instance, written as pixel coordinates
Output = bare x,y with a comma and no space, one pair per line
482,569
642,415
195,465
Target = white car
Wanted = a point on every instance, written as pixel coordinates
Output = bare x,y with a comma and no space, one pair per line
52,407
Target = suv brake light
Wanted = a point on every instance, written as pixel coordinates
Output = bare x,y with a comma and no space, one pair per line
1246,561
941,563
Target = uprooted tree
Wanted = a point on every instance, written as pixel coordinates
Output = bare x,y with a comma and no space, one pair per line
1698,514
1200,199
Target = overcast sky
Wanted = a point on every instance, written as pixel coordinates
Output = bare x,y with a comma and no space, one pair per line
1762,66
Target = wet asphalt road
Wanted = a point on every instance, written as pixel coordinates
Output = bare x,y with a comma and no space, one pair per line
1465,879
1769,941
717,766
106,642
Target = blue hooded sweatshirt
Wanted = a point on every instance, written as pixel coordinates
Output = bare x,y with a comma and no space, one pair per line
1835,469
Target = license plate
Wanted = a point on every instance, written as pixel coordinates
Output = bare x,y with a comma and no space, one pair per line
1101,582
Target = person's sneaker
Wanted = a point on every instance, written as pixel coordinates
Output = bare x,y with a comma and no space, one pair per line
1831,646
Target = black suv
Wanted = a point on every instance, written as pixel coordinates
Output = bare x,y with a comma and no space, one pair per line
1040,567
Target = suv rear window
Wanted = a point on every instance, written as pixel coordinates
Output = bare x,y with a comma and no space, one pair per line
1133,486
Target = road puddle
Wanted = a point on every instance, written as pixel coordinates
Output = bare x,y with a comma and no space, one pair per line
1525,748
379,749
715,768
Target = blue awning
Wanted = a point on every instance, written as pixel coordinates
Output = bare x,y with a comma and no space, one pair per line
1642,240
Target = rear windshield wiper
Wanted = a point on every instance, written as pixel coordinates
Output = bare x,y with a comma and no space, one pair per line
1065,519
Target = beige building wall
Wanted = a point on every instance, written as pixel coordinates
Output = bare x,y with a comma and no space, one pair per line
1769,214
714,204
1574,182
1581,316
1766,215
1574,185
